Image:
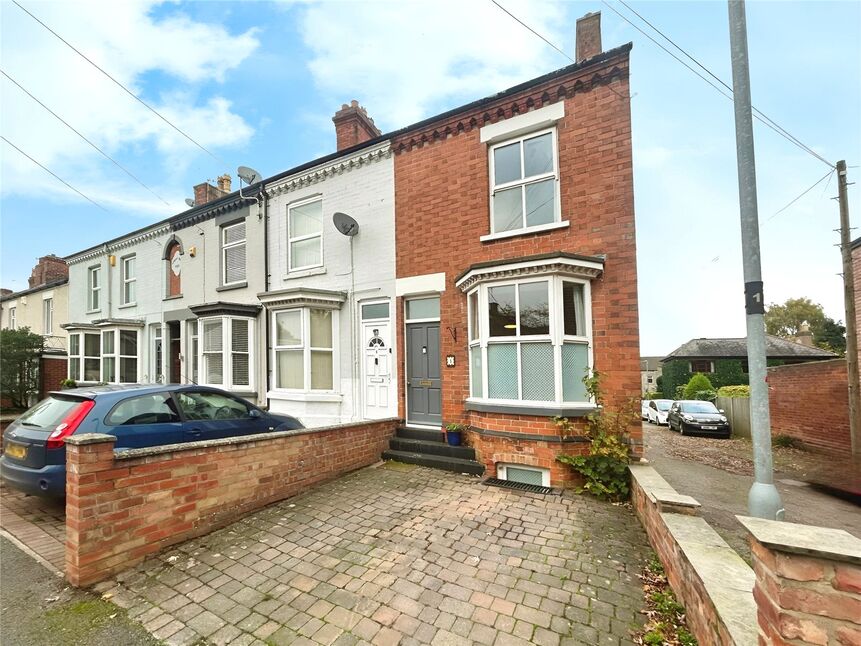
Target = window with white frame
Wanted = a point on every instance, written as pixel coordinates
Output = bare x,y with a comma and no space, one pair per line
233,253
157,355
192,352
523,182
129,280
13,318
85,356
119,356
227,352
304,349
47,315
94,288
305,234
529,341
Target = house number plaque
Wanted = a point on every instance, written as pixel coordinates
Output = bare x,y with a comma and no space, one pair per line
449,360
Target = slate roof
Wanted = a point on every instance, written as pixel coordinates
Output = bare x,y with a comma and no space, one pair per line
650,363
32,290
776,348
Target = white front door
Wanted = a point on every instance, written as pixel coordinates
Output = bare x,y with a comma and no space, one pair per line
377,370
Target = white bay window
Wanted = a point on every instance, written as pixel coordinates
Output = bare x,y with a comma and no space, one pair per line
529,333
226,346
107,355
304,349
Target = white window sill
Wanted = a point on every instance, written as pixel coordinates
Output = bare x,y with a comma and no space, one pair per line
303,273
93,311
286,395
126,306
525,232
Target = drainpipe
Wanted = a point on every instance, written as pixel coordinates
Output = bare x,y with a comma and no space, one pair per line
262,206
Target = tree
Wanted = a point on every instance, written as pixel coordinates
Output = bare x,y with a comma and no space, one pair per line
831,336
19,365
785,321
698,383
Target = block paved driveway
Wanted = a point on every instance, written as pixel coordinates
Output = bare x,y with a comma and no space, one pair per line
400,555
37,523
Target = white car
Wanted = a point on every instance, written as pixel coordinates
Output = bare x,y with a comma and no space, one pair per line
644,409
658,409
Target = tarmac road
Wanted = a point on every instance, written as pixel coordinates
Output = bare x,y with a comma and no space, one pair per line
723,494
37,608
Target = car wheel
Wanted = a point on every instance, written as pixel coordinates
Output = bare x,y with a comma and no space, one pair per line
682,428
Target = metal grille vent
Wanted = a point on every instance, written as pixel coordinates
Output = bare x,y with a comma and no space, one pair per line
519,486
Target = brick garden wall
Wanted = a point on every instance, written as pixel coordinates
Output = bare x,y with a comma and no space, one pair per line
124,505
52,371
810,402
442,209
808,584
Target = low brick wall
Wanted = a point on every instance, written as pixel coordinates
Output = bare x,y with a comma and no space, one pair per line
709,578
810,402
124,505
808,583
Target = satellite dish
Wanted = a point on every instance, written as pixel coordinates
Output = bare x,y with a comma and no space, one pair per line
345,224
189,201
248,175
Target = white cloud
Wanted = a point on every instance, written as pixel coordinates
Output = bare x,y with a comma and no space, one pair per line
406,60
167,61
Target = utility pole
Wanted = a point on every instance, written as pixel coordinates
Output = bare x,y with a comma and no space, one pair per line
849,303
763,501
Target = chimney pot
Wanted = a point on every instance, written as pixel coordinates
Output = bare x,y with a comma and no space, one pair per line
588,37
224,183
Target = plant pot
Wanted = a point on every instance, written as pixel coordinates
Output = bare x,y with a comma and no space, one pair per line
453,438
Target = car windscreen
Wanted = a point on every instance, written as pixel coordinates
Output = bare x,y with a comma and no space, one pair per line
664,405
48,412
698,407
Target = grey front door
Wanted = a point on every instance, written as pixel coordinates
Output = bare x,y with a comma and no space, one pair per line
424,400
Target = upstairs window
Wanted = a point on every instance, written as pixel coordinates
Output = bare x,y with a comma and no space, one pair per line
233,253
305,234
94,283
47,316
523,182
13,318
129,280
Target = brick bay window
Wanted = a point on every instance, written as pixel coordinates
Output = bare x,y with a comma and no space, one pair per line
529,333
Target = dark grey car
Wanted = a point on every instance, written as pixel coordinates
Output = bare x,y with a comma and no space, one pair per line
700,417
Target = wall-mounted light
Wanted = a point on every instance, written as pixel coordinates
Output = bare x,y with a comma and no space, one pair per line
192,251
112,260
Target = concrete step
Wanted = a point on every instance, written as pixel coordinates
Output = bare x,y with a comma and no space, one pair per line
458,465
432,448
423,434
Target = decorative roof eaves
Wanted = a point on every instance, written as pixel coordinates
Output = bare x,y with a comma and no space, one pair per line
334,167
541,95
207,214
116,245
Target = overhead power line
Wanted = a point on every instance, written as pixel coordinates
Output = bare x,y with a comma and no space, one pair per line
57,177
128,91
815,184
549,42
758,114
65,123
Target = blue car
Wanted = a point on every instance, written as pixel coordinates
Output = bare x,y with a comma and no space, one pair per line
34,459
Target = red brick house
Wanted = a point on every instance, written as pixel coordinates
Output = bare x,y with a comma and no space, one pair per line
516,262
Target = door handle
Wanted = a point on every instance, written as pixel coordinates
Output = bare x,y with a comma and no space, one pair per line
193,431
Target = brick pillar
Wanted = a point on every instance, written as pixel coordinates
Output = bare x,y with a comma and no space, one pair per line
87,455
808,583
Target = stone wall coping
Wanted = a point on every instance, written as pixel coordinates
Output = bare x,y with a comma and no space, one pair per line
129,454
90,438
659,490
809,540
726,578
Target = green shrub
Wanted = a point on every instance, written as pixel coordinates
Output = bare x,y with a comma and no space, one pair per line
680,392
20,350
605,468
787,442
705,395
734,391
697,383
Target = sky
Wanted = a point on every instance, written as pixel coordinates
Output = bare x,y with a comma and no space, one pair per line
256,84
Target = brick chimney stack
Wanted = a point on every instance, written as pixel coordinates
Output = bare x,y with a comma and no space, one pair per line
48,268
588,41
5,292
205,193
353,126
